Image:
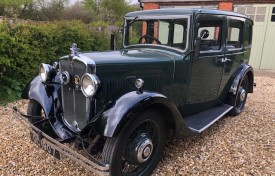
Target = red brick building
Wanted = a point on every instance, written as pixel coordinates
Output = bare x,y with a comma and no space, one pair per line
261,11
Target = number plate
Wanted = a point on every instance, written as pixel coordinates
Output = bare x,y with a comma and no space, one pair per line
42,142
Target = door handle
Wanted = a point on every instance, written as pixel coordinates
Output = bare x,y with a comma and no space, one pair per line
223,60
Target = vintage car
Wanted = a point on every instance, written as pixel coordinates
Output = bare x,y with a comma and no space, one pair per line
178,70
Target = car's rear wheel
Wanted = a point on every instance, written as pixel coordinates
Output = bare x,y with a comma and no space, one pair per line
35,109
238,101
137,148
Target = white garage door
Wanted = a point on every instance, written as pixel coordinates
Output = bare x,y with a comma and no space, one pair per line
263,47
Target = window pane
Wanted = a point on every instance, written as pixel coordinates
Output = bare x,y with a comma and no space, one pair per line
248,36
135,32
213,41
178,34
163,32
233,34
273,18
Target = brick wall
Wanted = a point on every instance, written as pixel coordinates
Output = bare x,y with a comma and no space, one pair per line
222,6
149,6
228,6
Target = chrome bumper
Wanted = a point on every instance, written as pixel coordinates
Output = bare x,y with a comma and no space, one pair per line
91,164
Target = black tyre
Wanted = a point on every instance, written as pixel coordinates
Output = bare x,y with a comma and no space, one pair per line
137,148
238,101
35,109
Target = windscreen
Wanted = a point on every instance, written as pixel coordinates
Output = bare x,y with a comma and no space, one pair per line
167,32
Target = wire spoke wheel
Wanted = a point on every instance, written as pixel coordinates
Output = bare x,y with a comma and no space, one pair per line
135,163
138,147
239,99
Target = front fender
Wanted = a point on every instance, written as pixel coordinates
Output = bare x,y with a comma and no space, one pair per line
114,117
46,95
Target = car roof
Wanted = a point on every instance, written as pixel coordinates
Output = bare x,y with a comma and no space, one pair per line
182,11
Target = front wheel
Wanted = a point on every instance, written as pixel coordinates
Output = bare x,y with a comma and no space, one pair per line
137,148
238,101
35,109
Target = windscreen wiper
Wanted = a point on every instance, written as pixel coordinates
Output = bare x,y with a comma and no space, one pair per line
131,22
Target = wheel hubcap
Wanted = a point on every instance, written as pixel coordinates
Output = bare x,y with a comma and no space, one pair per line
242,94
140,150
144,150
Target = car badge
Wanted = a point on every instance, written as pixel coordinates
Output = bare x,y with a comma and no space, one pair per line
76,79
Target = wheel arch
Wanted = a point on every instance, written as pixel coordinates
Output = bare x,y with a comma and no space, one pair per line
46,96
245,70
110,123
250,75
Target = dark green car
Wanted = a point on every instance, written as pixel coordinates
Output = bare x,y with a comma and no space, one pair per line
178,70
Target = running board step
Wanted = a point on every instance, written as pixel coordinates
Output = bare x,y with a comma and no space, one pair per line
201,121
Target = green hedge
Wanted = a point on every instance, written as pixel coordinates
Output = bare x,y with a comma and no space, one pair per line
24,46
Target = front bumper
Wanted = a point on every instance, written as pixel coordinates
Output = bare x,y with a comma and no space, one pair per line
58,149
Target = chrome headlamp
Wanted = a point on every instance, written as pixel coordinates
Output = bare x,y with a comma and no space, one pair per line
89,83
46,72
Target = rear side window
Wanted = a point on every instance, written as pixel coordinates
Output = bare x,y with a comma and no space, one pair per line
247,36
234,37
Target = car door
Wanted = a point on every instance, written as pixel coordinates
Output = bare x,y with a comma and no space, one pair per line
236,51
206,71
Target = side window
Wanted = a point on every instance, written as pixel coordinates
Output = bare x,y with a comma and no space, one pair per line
247,36
234,37
213,40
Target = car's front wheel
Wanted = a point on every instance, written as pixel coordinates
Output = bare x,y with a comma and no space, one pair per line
35,109
137,148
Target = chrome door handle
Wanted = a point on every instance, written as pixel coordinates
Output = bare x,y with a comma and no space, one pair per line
223,60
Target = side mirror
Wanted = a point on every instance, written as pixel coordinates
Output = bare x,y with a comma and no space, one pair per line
112,42
197,48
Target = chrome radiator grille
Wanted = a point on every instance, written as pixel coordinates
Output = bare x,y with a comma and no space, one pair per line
76,107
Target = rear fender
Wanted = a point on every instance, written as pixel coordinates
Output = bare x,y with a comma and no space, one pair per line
48,96
242,72
123,109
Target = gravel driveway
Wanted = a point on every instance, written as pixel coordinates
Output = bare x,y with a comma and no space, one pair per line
243,145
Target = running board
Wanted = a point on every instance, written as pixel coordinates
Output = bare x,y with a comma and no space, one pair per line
201,121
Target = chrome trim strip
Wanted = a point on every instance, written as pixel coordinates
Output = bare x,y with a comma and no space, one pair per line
92,165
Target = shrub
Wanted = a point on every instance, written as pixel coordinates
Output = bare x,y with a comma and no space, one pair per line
24,46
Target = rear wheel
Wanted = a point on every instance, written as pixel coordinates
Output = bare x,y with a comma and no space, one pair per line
35,109
137,148
238,101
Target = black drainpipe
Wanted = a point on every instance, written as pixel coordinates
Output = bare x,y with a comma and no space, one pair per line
140,4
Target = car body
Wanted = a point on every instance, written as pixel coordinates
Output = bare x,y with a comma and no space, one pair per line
178,69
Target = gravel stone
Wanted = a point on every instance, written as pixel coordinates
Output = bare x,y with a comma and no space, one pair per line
242,145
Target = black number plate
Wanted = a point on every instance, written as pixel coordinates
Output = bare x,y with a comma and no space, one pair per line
42,142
